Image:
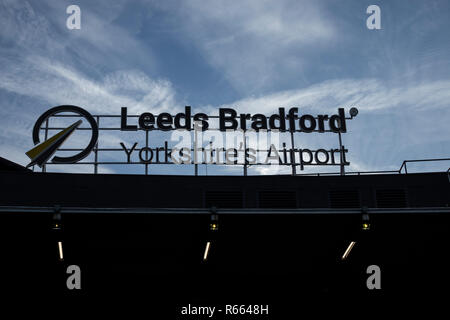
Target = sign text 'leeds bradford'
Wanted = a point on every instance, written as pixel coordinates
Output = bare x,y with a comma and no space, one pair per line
229,120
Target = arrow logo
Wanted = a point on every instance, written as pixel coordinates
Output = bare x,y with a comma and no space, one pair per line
43,151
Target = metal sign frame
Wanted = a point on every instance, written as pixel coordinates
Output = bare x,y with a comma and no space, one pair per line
96,149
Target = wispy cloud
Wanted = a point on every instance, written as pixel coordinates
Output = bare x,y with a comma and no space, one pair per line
367,94
39,29
255,43
56,83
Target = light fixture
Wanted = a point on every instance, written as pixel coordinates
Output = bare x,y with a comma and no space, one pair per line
56,221
365,225
214,224
208,246
60,250
349,249
213,228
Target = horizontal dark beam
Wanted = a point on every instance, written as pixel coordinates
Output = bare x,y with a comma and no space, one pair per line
206,211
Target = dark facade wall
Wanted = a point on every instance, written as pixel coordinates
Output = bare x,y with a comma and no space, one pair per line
48,189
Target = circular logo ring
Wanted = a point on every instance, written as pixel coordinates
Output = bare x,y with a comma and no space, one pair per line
68,108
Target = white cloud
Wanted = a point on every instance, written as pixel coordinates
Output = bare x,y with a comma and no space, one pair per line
56,84
39,28
367,94
254,43
19,24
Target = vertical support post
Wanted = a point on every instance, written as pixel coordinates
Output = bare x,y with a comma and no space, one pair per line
96,150
146,152
294,169
341,155
211,155
195,148
44,166
245,154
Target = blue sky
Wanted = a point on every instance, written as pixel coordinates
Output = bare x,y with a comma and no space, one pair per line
254,56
